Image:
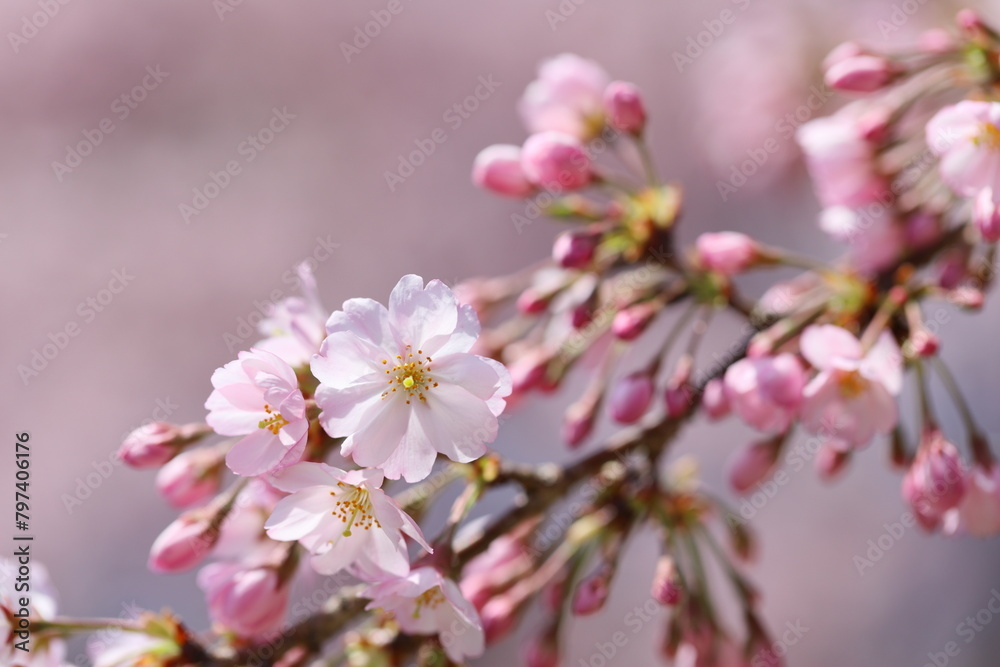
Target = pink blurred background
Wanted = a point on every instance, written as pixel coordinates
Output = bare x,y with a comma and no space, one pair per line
224,68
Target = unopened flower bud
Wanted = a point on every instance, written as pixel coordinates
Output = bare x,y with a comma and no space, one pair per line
830,461
629,323
578,422
986,215
624,107
728,253
666,583
752,464
935,483
531,302
184,543
575,249
498,169
631,397
156,443
714,399
556,162
861,74
191,477
591,594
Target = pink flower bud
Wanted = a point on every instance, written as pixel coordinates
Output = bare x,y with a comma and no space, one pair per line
751,465
714,399
630,398
499,616
582,315
191,477
591,594
629,323
528,371
967,297
935,483
830,462
666,584
575,249
556,162
578,423
922,343
843,52
861,74
151,445
727,253
498,169
986,215
530,302
183,544
249,601
678,399
624,107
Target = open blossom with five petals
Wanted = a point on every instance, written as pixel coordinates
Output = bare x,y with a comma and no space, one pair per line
258,396
852,397
344,519
400,384
966,136
425,603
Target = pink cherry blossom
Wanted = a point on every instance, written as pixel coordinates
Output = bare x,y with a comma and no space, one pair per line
153,444
184,543
294,326
400,384
979,512
766,391
566,97
631,397
249,600
502,562
852,397
425,603
344,519
841,160
258,396
498,169
966,136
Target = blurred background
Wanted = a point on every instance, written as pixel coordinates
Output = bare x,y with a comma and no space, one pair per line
117,114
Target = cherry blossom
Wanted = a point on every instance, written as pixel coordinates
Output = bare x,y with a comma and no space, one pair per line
425,603
257,396
400,385
344,519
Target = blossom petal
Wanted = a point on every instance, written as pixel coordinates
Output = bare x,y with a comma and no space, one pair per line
821,344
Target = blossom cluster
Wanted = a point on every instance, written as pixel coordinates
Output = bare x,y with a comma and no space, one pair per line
328,410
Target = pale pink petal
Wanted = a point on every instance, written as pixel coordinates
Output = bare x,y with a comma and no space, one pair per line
821,344
255,454
376,441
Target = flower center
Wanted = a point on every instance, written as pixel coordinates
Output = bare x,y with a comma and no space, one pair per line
354,506
852,384
431,599
410,374
274,423
988,137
